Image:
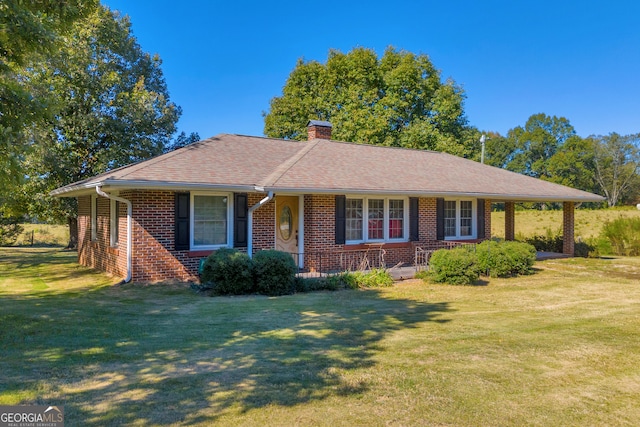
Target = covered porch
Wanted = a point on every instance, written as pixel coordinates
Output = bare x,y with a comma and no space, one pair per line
568,227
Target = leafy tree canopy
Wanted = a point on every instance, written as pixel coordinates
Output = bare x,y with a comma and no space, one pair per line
617,166
396,100
111,107
535,143
28,31
182,140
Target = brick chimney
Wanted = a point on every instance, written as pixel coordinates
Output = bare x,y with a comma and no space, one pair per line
318,129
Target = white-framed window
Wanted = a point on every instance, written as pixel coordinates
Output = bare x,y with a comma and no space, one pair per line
460,219
211,220
354,219
376,219
94,217
114,226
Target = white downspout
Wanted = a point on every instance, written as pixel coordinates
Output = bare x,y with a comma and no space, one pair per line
250,222
129,231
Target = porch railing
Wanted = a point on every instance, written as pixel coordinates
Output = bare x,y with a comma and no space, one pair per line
422,253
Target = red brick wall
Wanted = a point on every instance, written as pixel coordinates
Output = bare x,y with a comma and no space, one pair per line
568,224
319,233
155,257
99,254
509,221
320,132
264,222
487,218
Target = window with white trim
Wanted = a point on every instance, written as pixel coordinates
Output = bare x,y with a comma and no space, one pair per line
115,223
354,219
210,220
460,219
376,219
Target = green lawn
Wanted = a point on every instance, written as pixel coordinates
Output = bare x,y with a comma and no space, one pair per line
588,222
557,348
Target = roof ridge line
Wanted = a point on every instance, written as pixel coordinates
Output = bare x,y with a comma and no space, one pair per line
274,176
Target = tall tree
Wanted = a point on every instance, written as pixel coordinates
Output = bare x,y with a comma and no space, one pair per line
113,109
573,164
396,100
28,31
536,142
182,140
617,164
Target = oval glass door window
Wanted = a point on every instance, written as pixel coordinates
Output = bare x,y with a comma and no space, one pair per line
285,223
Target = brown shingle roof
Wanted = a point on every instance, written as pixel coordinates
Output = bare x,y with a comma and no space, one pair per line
323,166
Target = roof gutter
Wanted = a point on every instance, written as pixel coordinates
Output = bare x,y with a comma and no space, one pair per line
453,194
129,231
250,222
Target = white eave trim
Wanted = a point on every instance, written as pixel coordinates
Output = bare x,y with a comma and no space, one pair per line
87,188
451,194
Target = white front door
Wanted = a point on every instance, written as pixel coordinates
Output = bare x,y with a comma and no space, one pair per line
287,225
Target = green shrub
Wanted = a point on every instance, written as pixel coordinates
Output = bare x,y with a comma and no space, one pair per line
623,235
585,249
311,284
505,259
548,243
228,272
274,272
10,229
457,266
423,275
376,278
346,279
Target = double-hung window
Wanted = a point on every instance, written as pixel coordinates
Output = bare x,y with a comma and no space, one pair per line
459,219
210,220
376,219
94,217
114,208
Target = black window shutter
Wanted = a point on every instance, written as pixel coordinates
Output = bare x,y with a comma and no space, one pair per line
414,232
440,219
182,221
481,230
240,220
341,223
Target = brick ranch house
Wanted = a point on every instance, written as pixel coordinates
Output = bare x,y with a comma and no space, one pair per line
326,202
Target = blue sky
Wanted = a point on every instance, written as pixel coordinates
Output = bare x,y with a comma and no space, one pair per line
224,61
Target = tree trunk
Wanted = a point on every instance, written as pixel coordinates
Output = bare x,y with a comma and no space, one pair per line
73,233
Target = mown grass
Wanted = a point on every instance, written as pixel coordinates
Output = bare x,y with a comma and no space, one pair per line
43,235
588,222
556,348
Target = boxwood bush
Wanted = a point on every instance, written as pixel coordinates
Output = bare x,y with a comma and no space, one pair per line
457,266
505,259
228,272
274,272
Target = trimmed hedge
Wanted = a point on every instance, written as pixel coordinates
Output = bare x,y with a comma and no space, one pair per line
228,272
274,272
463,266
505,259
458,266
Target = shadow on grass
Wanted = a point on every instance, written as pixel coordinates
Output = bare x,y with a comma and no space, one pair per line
133,355
120,355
